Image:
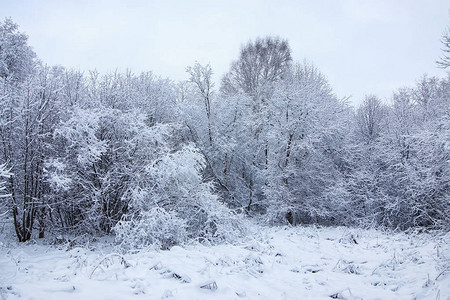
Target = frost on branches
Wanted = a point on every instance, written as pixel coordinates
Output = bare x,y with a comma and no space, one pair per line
177,207
158,163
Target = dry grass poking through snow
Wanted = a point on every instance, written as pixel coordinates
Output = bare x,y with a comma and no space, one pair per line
280,263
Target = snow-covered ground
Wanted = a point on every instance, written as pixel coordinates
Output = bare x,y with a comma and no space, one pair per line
276,263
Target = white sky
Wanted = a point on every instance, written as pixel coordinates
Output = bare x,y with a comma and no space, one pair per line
362,47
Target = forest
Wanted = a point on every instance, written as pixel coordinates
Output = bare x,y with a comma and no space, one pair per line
152,161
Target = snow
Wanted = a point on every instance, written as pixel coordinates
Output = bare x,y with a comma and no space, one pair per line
277,263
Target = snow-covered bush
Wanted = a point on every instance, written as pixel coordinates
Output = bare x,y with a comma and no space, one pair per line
176,206
104,154
155,227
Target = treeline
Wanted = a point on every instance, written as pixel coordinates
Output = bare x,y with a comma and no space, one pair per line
158,162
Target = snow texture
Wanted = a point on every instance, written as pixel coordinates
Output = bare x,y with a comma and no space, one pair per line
279,263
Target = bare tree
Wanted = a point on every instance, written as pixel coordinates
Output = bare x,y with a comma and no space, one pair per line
444,61
370,116
264,61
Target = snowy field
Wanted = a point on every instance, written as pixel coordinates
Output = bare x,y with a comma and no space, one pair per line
278,263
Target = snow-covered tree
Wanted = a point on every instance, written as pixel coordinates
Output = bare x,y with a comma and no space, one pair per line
200,77
246,92
28,117
306,133
17,59
235,152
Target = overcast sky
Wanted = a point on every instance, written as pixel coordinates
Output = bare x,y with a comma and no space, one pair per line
362,47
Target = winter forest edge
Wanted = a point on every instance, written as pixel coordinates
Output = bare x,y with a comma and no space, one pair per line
154,162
